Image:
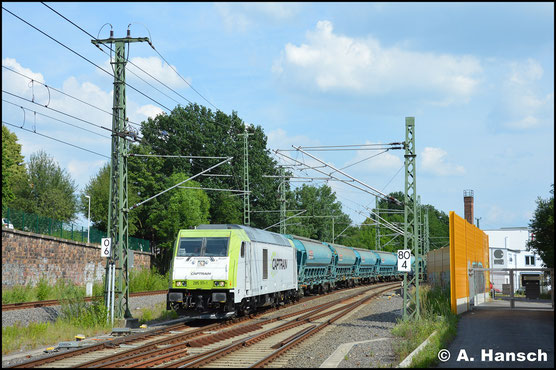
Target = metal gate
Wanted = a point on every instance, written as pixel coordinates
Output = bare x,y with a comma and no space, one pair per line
510,287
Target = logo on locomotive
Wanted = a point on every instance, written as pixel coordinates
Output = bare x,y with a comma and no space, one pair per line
277,263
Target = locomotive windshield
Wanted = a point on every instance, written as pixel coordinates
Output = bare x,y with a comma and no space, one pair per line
198,247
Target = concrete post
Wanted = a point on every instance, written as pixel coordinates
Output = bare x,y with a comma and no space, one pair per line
512,303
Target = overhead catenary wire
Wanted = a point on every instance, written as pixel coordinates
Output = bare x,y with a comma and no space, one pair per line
67,123
68,95
58,111
142,70
52,138
88,60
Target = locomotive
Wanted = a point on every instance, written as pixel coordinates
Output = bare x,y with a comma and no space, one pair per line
225,270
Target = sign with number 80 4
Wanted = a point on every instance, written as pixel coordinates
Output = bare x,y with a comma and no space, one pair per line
404,260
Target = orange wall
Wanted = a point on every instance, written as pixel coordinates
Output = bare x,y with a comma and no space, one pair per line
468,245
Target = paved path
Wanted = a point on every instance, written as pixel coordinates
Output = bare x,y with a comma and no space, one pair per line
494,329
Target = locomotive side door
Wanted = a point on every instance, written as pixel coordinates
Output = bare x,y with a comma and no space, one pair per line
247,256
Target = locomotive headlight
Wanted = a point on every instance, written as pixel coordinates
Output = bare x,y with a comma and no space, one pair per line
181,283
219,283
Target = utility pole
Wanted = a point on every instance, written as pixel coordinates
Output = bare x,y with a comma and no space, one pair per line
411,227
118,200
283,200
426,242
246,211
377,240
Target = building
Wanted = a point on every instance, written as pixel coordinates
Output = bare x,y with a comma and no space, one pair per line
508,249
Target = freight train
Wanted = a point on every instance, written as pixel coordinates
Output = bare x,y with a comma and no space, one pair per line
226,270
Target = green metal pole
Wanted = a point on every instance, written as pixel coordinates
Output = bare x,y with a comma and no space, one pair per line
118,198
282,200
246,210
411,227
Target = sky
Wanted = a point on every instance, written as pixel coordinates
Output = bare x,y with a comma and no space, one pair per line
477,77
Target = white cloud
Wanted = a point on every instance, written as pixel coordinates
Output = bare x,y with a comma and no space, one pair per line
523,106
433,161
22,86
157,68
333,62
82,171
242,16
149,110
498,215
279,139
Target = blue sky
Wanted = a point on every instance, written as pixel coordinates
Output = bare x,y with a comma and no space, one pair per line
477,77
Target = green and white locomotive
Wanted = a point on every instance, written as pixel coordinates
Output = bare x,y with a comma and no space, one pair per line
223,270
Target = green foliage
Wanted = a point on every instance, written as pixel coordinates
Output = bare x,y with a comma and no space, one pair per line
18,294
147,280
44,290
13,167
49,190
317,201
435,315
98,189
542,227
364,236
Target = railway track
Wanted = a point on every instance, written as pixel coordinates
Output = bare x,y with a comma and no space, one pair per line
249,341
54,302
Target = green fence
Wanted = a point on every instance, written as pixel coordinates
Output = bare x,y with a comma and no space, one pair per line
64,230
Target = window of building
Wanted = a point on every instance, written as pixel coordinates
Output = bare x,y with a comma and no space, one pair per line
530,260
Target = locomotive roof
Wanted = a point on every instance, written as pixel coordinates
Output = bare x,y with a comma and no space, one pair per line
256,235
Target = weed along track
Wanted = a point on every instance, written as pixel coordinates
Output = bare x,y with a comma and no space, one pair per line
54,302
253,340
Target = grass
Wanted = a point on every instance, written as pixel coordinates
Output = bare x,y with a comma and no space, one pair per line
157,313
142,280
435,315
77,317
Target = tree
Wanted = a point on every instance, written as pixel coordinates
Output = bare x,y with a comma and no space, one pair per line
49,191
195,130
542,230
13,167
317,201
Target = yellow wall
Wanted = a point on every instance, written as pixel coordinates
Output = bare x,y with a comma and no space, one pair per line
468,246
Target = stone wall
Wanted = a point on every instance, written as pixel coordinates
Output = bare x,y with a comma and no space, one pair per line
27,256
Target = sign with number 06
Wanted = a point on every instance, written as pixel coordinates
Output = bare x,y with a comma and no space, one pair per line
105,247
404,260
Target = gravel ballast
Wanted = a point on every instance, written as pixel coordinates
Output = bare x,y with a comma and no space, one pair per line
373,320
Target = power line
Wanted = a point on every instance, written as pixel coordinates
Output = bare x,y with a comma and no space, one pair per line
96,65
142,70
164,59
67,123
55,110
68,95
52,138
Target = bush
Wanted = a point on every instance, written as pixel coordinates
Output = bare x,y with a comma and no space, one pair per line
436,314
145,280
44,290
17,294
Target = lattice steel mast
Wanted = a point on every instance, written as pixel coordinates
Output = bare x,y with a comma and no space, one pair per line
118,200
246,210
411,227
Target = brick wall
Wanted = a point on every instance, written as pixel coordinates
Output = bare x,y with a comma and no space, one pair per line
27,256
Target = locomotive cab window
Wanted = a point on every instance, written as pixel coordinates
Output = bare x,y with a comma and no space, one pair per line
216,247
199,247
190,247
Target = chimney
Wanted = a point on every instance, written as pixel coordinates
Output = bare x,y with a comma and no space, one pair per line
468,205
